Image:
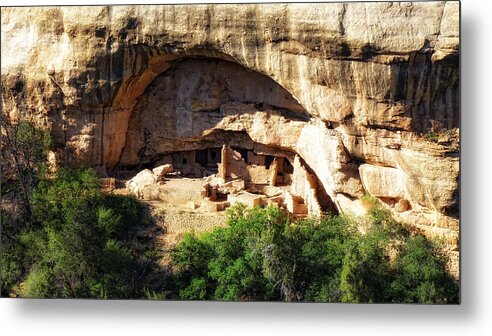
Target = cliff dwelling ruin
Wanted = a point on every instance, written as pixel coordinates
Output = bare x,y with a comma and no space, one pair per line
194,118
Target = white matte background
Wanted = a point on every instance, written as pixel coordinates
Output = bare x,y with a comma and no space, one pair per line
472,317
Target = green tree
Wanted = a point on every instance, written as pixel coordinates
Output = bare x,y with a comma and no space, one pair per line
365,272
227,259
420,275
76,242
24,159
264,255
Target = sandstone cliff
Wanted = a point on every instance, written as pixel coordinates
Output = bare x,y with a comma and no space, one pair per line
367,94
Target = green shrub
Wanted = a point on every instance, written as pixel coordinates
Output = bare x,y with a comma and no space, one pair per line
365,271
78,234
11,267
192,255
39,283
119,267
197,290
70,240
152,295
228,259
118,215
263,255
421,275
108,221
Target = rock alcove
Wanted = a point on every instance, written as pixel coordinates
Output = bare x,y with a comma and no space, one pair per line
212,117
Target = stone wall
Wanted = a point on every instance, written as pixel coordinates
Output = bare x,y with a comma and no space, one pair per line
252,168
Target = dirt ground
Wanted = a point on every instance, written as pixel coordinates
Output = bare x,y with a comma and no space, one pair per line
173,218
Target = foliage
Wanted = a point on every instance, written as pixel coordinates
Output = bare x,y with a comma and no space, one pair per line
264,255
365,271
11,262
39,283
421,276
224,264
75,243
24,150
197,290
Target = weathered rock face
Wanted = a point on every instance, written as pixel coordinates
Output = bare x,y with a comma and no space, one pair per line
367,94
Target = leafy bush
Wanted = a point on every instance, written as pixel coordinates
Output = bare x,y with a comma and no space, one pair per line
69,239
74,244
11,267
24,159
263,255
197,290
39,283
421,276
228,260
117,215
119,267
365,271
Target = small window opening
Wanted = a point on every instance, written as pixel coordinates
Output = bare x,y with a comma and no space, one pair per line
268,161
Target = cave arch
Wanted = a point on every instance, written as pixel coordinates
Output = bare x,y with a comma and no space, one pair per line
140,66
195,96
188,103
